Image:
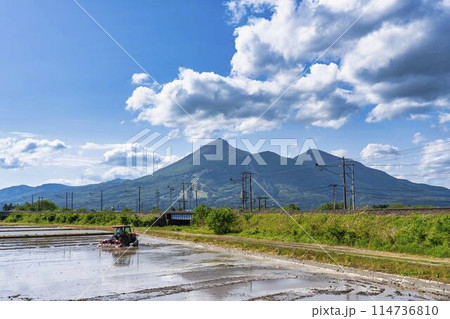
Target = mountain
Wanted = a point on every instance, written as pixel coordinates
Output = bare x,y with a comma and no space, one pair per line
306,185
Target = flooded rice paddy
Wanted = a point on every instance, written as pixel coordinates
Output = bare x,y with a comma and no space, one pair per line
66,264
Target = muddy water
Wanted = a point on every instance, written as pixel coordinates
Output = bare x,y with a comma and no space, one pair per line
63,268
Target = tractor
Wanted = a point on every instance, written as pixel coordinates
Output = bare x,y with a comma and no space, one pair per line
122,237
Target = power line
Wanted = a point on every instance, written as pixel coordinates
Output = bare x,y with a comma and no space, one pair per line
409,164
344,184
333,192
171,189
101,200
265,202
400,156
402,151
184,196
139,198
157,198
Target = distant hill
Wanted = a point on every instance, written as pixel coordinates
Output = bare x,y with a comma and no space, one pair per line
307,185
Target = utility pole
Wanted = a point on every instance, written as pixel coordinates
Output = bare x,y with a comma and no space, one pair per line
259,202
246,183
139,198
243,190
333,193
71,201
171,189
184,196
157,196
243,194
40,202
196,196
352,166
67,196
344,183
190,194
251,191
101,200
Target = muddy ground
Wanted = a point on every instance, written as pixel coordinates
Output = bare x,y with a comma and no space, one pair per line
40,264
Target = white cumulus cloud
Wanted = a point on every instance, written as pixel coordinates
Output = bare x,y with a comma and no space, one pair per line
383,62
139,78
16,152
378,150
418,138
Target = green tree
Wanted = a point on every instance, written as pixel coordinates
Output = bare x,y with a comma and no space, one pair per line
126,209
155,209
47,205
292,206
199,215
380,206
221,220
330,206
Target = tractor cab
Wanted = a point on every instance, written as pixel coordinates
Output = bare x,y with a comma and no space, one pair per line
122,230
122,237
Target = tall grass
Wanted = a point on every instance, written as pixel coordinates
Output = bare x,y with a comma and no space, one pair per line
415,234
72,218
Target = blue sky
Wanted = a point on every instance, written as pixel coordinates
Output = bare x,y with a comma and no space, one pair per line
379,90
72,80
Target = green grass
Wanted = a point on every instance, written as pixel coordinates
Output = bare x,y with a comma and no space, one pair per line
72,218
427,234
414,234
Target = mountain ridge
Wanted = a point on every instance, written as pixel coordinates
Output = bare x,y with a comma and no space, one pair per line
306,185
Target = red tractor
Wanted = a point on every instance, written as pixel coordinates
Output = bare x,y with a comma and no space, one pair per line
122,237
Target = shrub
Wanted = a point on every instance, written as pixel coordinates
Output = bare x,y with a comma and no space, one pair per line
126,210
148,221
221,220
200,214
247,216
292,206
124,219
330,206
99,218
73,218
14,218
